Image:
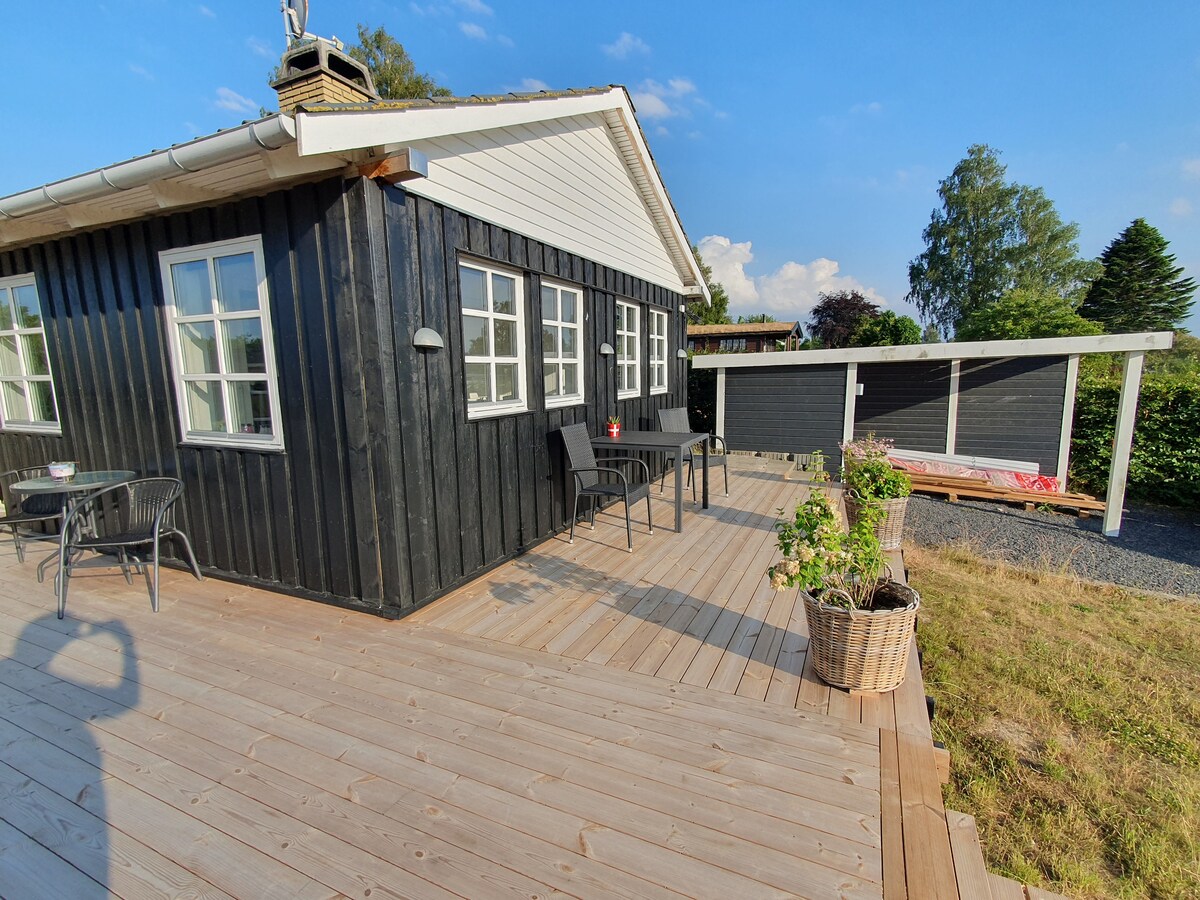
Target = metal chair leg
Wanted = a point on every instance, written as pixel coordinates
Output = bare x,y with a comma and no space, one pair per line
628,522
123,559
574,516
17,544
187,546
649,517
154,590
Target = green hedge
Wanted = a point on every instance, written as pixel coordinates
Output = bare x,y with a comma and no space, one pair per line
1164,466
702,399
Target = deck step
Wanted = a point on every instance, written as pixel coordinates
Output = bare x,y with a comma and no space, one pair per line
969,867
1005,888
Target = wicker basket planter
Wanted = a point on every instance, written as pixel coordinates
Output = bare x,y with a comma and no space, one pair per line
890,529
863,649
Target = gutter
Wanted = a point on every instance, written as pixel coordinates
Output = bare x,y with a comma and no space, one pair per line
203,153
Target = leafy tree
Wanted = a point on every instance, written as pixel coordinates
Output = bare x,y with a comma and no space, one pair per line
837,315
991,237
886,330
717,310
1141,289
755,319
1025,313
931,335
394,73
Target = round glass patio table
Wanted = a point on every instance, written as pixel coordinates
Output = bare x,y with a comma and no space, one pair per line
82,483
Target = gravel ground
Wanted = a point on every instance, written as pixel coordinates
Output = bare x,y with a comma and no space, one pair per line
1158,550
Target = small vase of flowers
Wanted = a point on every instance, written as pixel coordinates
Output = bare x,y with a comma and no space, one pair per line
614,426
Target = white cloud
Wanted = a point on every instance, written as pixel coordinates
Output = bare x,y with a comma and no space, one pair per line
873,108
231,100
790,291
655,100
534,84
1181,207
505,41
261,48
473,31
474,6
662,131
138,70
625,46
651,106
1191,168
206,12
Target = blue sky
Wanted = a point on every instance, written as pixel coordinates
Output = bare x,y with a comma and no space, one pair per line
802,143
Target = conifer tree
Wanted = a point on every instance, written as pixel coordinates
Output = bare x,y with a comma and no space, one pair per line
1141,288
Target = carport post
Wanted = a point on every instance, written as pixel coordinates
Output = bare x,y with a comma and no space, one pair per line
1118,469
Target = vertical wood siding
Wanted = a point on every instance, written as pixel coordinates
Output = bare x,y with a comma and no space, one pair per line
905,401
386,495
785,409
1012,409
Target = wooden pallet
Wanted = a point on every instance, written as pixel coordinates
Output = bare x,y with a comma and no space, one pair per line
955,486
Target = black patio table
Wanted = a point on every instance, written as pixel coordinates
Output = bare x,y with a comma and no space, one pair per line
662,442
81,483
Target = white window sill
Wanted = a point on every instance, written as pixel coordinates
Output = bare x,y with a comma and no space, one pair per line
33,428
629,395
494,412
210,441
661,390
561,402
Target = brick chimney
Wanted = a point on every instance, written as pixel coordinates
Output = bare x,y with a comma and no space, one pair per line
317,71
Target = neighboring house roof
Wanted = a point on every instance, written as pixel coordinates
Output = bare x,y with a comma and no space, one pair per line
744,328
570,168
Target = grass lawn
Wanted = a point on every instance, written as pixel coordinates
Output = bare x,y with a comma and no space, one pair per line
1072,715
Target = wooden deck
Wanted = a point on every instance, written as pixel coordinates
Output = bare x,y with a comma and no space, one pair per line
581,722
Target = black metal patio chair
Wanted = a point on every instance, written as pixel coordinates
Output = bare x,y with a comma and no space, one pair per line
587,471
676,420
119,519
23,511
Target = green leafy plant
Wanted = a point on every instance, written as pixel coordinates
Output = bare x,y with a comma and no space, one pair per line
868,475
614,420
818,555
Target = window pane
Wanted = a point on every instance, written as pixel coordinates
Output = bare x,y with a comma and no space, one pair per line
504,294
550,340
550,376
29,311
570,376
35,354
41,394
251,407
549,304
570,302
620,317
471,283
6,319
193,293
570,344
15,406
620,378
505,338
10,363
621,348
478,383
198,347
204,405
506,382
237,284
244,342
475,336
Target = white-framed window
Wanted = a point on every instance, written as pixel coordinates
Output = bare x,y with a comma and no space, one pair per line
222,353
658,351
562,344
629,383
493,324
27,401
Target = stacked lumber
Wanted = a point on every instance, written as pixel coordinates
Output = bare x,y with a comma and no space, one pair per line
954,486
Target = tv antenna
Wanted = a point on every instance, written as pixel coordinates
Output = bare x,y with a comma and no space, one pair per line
295,20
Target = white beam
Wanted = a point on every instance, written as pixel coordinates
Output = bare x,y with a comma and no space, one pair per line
1068,420
1118,470
851,397
721,402
952,406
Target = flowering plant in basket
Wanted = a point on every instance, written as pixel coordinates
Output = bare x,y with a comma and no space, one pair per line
868,474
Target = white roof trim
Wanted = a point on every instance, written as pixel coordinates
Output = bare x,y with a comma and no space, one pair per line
1061,346
341,130
203,153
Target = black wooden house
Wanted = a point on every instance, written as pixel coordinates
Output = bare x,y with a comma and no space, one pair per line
242,311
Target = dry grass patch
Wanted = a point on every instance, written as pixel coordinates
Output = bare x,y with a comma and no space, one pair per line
1072,714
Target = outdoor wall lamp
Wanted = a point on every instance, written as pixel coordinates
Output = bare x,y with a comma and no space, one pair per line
606,349
428,339
681,353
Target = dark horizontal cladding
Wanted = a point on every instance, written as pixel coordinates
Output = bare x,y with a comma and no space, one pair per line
785,409
907,402
1012,409
386,495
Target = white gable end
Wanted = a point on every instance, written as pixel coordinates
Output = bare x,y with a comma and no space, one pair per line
561,181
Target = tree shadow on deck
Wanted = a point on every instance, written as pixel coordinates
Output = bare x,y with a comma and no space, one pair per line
52,777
